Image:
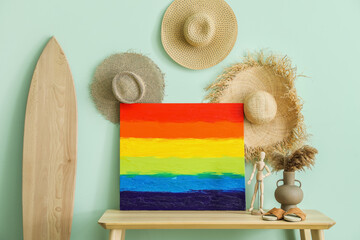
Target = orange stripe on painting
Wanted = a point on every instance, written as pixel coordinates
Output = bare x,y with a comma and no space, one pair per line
181,130
182,112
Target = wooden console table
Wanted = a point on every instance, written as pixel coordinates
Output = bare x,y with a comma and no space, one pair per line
118,221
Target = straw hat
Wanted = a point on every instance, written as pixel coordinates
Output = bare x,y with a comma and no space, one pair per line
126,78
198,34
265,84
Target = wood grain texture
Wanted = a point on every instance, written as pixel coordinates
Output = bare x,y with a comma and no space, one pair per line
50,147
317,235
305,234
117,234
116,219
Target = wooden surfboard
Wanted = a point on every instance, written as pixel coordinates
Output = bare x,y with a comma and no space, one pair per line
50,148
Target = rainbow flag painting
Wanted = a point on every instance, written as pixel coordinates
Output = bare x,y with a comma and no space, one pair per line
182,156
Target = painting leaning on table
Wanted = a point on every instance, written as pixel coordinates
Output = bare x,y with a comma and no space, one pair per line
182,156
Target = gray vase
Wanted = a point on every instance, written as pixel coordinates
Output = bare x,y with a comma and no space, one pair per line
288,194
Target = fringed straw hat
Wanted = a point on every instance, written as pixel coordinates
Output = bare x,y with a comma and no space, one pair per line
265,84
126,78
198,34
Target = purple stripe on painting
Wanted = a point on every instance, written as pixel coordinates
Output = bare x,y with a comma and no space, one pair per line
196,200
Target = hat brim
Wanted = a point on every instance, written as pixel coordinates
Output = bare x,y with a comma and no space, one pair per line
276,76
101,87
175,44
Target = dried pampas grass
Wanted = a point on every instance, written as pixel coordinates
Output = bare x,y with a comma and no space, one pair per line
300,159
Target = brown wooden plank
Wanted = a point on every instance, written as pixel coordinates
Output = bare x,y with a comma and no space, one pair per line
117,234
305,234
116,219
317,234
50,147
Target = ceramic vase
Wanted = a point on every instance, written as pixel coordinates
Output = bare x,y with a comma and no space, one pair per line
288,194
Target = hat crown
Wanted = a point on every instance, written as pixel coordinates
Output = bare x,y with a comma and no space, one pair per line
199,29
119,90
260,107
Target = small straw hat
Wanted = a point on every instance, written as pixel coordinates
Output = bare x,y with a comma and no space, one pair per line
198,34
265,84
126,78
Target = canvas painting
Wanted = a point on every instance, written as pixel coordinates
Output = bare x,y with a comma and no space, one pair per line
182,156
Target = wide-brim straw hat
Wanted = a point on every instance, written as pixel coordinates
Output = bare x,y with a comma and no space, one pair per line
198,34
128,78
265,84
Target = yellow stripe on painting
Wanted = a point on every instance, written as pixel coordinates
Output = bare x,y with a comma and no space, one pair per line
181,166
182,148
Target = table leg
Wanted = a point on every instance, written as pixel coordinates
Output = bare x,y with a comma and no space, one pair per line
117,234
305,234
317,234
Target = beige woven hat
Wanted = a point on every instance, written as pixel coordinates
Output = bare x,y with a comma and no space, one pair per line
198,34
265,84
126,78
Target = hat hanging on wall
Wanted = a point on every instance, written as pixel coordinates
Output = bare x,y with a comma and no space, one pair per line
126,78
198,34
265,84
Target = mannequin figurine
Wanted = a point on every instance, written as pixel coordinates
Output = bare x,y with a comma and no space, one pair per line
259,166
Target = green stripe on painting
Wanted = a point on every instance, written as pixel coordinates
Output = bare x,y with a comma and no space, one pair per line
181,166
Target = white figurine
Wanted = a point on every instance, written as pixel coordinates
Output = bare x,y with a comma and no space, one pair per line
259,166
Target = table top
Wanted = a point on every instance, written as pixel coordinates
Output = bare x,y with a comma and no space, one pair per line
117,219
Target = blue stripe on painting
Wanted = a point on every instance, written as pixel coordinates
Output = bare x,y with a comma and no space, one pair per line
181,183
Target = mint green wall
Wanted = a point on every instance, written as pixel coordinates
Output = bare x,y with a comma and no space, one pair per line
321,37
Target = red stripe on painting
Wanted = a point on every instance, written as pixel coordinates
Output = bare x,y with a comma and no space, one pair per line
182,112
181,130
